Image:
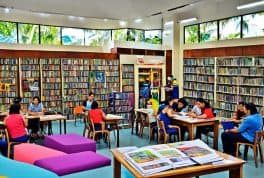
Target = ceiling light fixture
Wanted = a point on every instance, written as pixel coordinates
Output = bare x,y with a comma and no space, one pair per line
188,20
7,10
122,23
250,5
168,23
138,20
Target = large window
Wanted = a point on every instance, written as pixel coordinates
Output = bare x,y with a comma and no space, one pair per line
72,36
253,25
50,35
135,35
208,31
191,34
97,37
28,33
119,34
230,28
8,32
153,36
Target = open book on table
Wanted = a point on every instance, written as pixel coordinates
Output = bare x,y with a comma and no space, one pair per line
157,158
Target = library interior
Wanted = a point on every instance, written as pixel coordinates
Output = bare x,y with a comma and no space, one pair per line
131,88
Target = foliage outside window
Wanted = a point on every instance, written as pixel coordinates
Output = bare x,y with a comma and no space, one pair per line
72,36
8,32
208,31
191,34
97,37
50,35
28,33
229,28
119,34
135,35
253,25
153,36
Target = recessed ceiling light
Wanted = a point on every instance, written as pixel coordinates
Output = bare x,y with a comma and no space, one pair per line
7,10
122,23
168,23
138,20
250,5
188,20
105,20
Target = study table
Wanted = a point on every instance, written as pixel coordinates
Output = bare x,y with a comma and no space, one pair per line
234,166
191,123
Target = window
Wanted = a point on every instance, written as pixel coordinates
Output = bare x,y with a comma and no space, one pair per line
50,35
191,34
72,36
28,33
153,36
253,25
208,31
8,32
135,35
97,37
119,34
230,28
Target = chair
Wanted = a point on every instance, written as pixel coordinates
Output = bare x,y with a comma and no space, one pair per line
92,132
77,113
144,121
256,146
173,130
9,142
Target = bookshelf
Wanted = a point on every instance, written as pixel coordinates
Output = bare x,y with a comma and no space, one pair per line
104,79
30,80
75,72
199,79
128,80
51,80
9,80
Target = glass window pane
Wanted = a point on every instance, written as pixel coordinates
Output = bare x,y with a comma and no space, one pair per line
8,32
153,36
208,31
229,28
119,34
135,35
253,25
72,36
97,37
50,35
191,34
28,33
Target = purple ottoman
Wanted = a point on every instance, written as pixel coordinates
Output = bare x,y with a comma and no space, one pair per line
70,143
74,162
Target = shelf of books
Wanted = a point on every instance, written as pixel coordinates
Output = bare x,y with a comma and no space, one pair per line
75,83
8,81
51,84
199,79
104,79
30,80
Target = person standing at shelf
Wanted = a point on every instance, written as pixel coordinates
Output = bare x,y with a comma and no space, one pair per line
35,108
172,88
239,114
88,102
207,113
245,132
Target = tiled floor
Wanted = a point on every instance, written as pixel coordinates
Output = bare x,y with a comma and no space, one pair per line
126,139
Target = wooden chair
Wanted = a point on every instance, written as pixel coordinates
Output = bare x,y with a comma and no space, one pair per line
77,113
144,121
9,143
256,146
163,132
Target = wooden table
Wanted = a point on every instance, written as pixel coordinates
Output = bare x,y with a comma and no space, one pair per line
114,120
191,123
46,118
235,168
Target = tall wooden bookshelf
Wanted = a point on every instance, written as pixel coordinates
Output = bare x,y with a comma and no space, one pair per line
75,73
30,79
51,84
9,79
199,79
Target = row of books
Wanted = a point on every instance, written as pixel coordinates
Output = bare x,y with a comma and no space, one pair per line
76,73
236,61
128,81
51,61
226,106
76,85
9,68
157,158
113,79
199,94
198,86
51,86
52,98
75,61
74,79
128,88
10,74
252,91
51,74
112,73
231,98
199,62
240,71
76,67
106,68
30,61
8,61
256,100
227,89
30,74
128,75
104,62
28,68
208,79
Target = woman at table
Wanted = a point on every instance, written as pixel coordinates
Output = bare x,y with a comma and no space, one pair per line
88,102
239,114
182,109
96,115
207,113
245,132
16,124
35,108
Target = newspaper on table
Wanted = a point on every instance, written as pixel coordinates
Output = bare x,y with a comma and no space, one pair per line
157,158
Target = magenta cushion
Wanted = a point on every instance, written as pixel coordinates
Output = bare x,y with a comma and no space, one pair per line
75,162
70,143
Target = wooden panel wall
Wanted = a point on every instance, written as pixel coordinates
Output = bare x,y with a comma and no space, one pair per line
134,51
254,50
168,63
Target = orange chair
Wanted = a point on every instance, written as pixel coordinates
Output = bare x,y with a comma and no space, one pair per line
78,113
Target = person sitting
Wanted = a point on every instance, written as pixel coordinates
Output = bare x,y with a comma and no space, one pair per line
182,106
96,115
245,132
239,114
206,113
16,124
196,110
88,102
